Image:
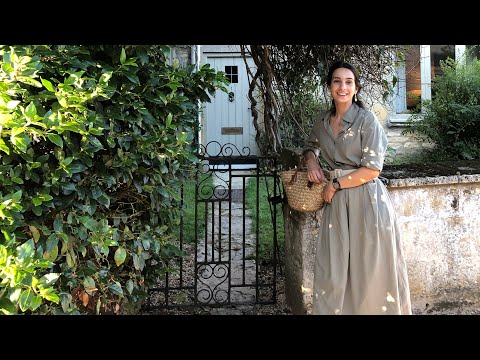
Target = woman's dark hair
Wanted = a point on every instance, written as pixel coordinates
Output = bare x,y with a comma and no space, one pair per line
341,64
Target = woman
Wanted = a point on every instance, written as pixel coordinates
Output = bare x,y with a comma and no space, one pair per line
359,262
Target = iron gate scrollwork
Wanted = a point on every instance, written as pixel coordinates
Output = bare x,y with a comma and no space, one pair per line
223,263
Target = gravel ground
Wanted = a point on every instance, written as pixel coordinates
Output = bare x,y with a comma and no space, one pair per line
281,308
447,308
470,305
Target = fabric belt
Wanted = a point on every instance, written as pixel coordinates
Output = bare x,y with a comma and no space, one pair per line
339,172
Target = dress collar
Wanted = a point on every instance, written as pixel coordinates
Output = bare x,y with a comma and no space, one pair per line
349,116
351,113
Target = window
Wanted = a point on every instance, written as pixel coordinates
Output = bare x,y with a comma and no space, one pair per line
421,65
231,73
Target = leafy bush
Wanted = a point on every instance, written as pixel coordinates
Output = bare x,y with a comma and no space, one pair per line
94,143
451,120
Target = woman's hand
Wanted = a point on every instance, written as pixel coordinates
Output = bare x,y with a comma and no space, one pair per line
314,171
328,192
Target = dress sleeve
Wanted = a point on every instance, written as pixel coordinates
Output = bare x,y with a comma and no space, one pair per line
374,143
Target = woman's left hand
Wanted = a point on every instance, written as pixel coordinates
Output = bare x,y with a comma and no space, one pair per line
328,192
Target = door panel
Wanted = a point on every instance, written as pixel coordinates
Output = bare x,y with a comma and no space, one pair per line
228,118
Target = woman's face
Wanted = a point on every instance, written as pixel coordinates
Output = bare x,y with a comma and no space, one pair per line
342,87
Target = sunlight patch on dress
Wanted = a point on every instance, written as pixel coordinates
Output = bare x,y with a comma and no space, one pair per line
390,297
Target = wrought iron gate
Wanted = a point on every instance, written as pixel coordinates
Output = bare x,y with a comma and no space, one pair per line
230,260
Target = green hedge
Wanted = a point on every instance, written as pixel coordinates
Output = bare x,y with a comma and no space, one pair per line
94,143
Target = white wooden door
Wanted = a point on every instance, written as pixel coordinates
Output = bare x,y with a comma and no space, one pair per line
228,117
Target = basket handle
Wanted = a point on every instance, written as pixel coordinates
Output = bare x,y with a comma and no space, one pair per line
294,178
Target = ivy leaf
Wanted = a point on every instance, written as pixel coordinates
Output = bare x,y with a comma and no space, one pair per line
6,66
62,101
169,120
48,85
7,307
29,81
76,168
4,147
45,198
35,233
31,110
70,261
136,262
37,210
89,223
116,288
51,255
25,300
51,243
25,251
71,80
89,285
105,77
51,296
49,279
96,192
56,139
35,302
129,286
17,196
21,141
12,104
123,56
120,256
133,78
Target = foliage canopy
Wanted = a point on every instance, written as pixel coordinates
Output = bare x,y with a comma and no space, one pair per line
94,146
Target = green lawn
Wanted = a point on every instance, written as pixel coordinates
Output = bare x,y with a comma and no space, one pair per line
189,208
266,246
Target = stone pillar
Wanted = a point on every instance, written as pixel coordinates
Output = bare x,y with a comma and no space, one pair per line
301,232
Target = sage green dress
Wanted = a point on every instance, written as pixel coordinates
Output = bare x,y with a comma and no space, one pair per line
359,262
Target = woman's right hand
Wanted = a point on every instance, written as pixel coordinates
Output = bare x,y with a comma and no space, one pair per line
314,171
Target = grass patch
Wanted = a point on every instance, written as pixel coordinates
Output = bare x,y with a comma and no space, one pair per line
265,221
189,207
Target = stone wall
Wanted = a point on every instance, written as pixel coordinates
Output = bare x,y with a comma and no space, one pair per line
439,222
402,144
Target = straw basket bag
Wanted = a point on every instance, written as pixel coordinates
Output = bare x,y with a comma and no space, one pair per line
302,195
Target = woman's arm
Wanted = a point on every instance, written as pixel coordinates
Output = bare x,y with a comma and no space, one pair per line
358,177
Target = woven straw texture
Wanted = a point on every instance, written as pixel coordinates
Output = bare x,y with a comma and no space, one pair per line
300,197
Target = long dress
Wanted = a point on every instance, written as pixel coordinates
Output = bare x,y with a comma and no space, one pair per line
359,263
